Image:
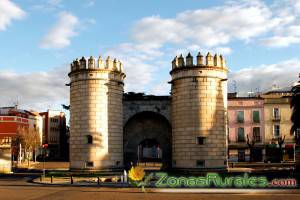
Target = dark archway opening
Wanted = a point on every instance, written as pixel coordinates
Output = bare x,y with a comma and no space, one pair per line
149,151
148,138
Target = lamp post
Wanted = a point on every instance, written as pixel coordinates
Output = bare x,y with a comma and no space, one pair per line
45,146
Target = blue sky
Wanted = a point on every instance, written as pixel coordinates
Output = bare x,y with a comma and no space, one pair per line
39,38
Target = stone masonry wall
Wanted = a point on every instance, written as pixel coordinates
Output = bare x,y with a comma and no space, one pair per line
96,111
199,109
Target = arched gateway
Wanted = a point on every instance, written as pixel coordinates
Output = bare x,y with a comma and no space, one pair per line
148,138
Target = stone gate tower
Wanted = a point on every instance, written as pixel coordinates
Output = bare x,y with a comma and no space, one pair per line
96,134
199,107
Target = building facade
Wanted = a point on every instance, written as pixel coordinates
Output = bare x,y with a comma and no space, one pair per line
246,129
35,121
12,120
49,126
53,132
186,130
277,114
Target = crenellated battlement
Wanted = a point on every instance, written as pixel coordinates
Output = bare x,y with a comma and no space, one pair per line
199,107
200,61
96,113
100,63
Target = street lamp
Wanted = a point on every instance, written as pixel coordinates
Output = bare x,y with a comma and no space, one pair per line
45,146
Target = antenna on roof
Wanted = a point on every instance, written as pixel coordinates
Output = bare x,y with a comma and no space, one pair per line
250,94
275,87
257,90
234,86
16,102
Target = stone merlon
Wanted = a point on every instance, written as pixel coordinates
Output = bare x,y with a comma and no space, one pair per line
108,64
209,61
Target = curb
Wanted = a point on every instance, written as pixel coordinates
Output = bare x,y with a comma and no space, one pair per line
114,187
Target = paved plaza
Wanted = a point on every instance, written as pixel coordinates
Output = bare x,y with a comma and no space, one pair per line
18,187
45,193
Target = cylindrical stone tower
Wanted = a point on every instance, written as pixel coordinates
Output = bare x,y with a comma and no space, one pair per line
199,109
96,113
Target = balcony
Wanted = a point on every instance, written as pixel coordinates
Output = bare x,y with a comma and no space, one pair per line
276,119
237,144
255,121
257,139
241,140
240,121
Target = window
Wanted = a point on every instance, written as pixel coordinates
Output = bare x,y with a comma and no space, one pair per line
276,130
89,164
241,155
297,135
240,116
241,134
276,114
200,163
89,139
255,116
298,132
256,134
200,140
174,163
6,141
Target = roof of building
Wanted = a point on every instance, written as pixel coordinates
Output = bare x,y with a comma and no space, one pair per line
280,90
14,110
245,98
10,110
142,96
234,96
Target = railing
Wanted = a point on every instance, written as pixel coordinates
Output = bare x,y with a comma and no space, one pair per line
257,139
241,140
240,121
276,118
255,121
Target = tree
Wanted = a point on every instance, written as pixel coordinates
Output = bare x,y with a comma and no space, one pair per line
295,118
295,105
30,140
280,141
66,107
251,146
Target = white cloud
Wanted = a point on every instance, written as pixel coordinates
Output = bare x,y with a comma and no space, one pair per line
138,64
287,32
281,41
61,33
289,6
89,3
293,30
49,5
223,50
38,90
54,2
209,27
9,11
262,77
157,30
161,88
217,26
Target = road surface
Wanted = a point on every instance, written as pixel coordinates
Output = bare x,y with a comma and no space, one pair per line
14,188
